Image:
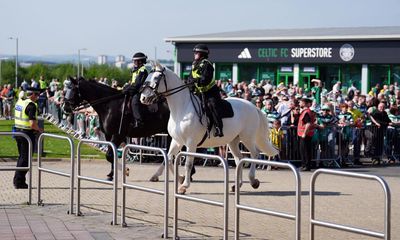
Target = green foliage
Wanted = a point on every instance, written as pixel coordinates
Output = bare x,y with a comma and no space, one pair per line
53,148
61,71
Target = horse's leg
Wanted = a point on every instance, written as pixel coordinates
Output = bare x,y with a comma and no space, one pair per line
188,169
173,150
254,153
117,140
237,155
110,159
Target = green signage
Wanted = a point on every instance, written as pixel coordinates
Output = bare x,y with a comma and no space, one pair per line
273,52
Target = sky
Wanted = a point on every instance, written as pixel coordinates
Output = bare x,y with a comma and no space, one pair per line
113,27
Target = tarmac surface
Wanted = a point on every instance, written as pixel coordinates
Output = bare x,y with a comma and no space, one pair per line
342,200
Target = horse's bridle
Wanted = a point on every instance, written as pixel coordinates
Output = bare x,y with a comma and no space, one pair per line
85,104
167,92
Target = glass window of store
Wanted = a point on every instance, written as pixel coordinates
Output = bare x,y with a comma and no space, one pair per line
329,75
223,71
350,74
267,72
186,69
247,71
378,74
395,74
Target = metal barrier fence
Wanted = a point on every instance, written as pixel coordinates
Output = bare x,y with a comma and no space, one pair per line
150,190
158,140
70,175
29,167
386,190
80,177
296,217
200,200
336,146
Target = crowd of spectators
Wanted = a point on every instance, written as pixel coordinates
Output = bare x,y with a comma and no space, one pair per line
345,120
349,125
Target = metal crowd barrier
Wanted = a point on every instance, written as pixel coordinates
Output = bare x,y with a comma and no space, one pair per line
80,177
159,140
150,190
386,190
200,200
70,175
296,217
29,167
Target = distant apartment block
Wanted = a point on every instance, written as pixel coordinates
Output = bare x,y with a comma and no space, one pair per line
102,59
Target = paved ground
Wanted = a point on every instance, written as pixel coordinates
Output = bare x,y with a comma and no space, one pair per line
344,200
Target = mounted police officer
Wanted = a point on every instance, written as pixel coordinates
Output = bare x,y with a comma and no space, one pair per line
26,111
139,75
202,76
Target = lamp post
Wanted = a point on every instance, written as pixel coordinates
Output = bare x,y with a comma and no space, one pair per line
16,60
1,73
79,60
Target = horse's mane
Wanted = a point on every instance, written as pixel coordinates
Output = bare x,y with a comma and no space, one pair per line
106,88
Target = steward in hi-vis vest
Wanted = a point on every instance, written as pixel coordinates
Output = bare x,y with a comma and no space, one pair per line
202,76
139,75
25,113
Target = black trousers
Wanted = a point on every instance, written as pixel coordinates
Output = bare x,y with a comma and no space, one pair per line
137,107
213,99
305,152
22,161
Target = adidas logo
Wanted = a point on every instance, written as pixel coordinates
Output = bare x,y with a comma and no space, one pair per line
245,54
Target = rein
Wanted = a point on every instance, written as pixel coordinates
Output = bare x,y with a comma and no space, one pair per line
85,104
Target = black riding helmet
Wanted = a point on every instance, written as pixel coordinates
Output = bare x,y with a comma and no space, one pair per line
139,56
202,48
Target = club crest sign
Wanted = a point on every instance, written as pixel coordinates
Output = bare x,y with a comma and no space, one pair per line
346,52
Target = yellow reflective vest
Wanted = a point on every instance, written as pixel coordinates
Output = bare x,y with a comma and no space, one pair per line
21,118
196,75
136,73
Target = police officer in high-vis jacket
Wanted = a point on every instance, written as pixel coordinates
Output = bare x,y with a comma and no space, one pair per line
25,113
202,75
139,75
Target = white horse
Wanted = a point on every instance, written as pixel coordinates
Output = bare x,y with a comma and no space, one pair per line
248,125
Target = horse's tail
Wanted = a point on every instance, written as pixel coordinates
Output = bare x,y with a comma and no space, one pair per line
262,138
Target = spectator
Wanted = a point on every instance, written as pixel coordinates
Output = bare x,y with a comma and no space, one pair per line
382,121
305,131
345,133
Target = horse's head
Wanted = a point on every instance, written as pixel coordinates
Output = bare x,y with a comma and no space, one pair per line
152,89
72,97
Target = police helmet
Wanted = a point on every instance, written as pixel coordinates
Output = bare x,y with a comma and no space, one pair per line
201,48
139,56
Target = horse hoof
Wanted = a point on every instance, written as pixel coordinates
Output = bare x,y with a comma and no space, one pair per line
255,184
181,179
154,179
233,188
182,190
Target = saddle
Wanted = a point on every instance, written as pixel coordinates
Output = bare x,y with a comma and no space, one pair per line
224,110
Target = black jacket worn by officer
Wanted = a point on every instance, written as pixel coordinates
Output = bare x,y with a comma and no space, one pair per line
139,75
25,113
202,75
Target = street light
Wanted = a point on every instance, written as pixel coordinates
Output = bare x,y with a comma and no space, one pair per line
1,74
16,60
79,60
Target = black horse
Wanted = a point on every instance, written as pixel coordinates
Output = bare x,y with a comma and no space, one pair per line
108,104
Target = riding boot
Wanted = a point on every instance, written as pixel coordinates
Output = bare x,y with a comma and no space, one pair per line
218,132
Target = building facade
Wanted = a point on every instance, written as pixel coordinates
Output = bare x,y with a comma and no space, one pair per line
360,56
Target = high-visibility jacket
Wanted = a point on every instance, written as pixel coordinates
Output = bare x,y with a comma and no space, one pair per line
196,74
302,127
136,73
42,84
21,118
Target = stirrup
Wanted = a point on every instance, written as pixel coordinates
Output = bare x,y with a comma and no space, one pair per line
218,132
